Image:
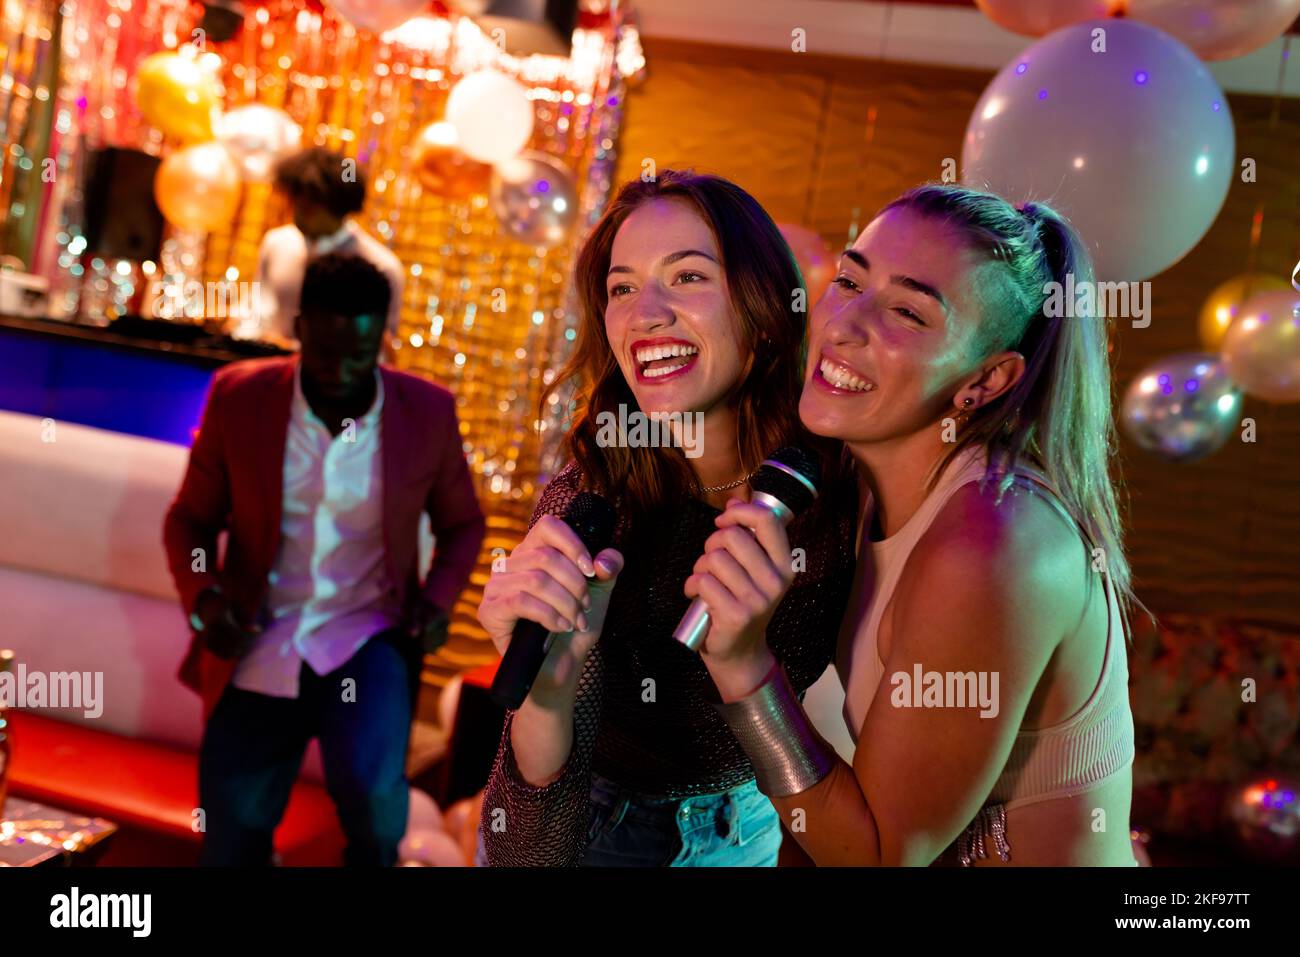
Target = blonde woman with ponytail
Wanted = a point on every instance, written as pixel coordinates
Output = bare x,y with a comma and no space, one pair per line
983,655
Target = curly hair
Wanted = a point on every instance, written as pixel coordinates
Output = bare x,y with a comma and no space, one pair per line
324,177
346,286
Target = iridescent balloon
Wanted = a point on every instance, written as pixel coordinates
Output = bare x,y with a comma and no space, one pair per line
1261,348
1264,816
535,198
1182,407
257,137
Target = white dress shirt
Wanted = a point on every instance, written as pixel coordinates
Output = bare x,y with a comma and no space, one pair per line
329,588
282,263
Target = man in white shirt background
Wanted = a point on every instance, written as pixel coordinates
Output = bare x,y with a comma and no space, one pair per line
314,623
325,190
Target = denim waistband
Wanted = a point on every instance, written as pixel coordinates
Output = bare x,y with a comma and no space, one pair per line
611,793
734,814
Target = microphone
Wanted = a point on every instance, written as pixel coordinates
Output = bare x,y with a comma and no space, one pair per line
785,484
593,519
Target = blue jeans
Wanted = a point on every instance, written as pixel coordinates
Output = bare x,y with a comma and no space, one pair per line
736,828
253,746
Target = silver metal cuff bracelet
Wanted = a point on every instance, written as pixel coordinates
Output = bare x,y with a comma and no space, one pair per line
787,753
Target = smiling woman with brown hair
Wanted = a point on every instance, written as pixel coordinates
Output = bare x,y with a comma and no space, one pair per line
617,756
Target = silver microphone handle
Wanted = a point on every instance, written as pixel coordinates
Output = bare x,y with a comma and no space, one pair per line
694,626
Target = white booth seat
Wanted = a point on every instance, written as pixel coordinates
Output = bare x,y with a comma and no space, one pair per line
87,506
84,584
57,624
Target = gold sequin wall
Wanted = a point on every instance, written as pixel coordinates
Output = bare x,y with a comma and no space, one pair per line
483,315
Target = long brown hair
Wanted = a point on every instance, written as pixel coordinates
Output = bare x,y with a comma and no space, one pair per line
762,280
1058,416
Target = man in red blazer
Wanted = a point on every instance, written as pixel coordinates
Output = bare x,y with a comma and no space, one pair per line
314,623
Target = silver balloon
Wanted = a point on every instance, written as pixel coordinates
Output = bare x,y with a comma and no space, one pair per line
1182,407
535,198
1264,816
257,137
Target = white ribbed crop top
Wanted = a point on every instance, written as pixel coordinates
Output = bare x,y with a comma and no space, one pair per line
1068,758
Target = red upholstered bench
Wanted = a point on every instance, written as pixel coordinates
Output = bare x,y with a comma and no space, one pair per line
148,788
481,677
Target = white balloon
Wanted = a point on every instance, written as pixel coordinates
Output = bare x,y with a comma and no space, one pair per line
1134,145
257,137
492,115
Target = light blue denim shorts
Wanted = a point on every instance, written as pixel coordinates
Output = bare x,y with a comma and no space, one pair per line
735,828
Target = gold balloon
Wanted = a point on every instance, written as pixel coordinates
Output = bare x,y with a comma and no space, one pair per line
198,187
178,96
1224,304
443,169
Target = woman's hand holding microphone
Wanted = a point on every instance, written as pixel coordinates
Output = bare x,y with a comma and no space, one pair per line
743,574
551,579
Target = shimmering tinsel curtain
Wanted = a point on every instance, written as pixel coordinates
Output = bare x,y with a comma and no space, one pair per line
66,90
484,315
29,71
487,317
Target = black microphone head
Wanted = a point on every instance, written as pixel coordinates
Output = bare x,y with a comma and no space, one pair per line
791,475
593,518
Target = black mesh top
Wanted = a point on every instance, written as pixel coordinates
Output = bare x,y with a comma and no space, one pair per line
663,738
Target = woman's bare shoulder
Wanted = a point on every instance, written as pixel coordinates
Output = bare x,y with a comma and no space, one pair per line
1015,551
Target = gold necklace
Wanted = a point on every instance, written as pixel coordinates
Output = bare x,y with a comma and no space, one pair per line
730,485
